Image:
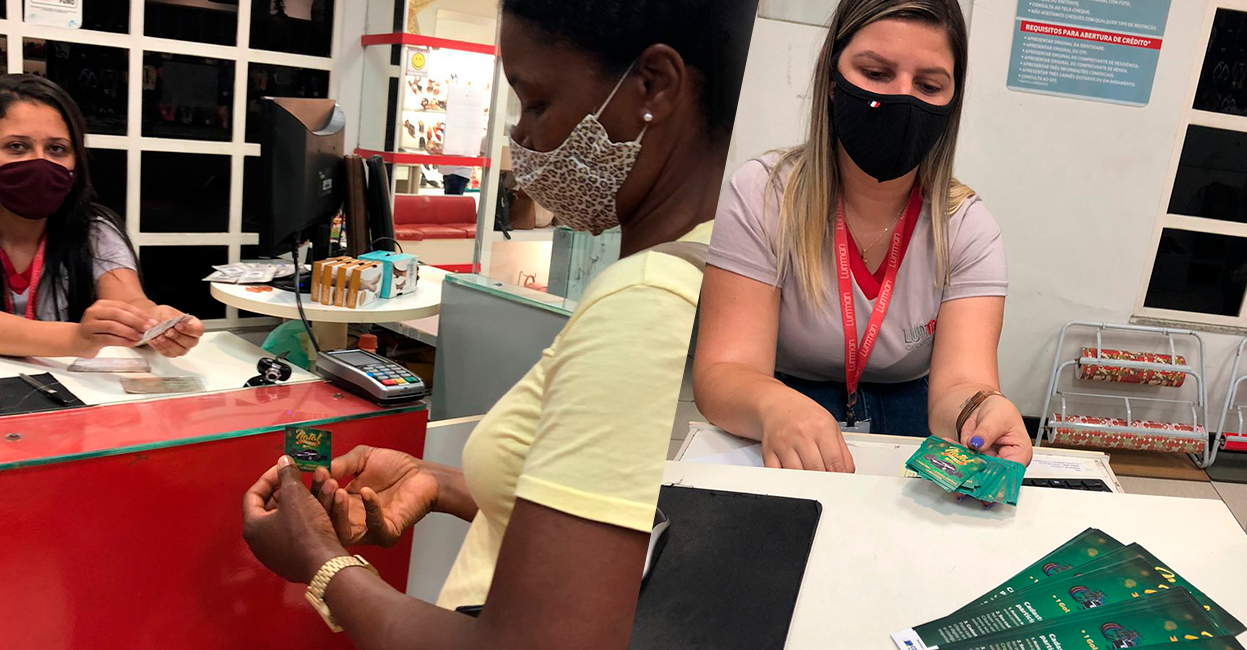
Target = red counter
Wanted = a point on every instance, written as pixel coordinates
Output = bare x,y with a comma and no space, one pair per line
122,525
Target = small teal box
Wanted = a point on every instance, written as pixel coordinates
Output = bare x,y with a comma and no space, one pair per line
400,272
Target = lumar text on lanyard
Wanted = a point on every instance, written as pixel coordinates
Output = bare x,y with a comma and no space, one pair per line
855,356
36,273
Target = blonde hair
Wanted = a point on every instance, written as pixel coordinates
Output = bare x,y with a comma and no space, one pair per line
808,202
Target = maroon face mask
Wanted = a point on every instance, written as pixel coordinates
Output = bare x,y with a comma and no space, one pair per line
34,189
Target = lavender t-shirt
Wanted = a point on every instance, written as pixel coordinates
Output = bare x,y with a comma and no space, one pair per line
811,341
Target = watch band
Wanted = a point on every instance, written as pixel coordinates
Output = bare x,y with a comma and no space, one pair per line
971,405
316,588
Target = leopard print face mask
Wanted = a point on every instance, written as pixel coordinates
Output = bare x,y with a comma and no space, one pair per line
578,180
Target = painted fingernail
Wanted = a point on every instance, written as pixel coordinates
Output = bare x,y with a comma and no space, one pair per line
962,498
988,506
976,442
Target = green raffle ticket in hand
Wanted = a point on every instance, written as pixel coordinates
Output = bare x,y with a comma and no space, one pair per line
953,467
310,448
1091,592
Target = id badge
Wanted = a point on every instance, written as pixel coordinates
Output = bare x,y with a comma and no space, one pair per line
862,426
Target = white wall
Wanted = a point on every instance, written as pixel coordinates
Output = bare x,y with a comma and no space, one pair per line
1075,185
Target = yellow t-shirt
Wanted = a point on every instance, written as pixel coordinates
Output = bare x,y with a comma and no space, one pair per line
586,430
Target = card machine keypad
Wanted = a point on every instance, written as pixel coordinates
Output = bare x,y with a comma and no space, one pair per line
370,375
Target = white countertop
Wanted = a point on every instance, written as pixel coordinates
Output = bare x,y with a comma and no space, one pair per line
222,361
425,301
890,553
884,455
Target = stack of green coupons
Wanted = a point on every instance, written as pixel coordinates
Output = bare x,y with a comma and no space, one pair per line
953,467
1093,592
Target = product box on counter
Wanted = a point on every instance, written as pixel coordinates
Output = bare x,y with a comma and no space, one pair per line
333,287
400,272
318,281
364,286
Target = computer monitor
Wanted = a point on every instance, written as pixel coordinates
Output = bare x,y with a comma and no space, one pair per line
302,173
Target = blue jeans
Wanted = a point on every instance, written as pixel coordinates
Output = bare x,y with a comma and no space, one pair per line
896,409
454,184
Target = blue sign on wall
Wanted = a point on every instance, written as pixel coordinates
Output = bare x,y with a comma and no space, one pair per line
1104,50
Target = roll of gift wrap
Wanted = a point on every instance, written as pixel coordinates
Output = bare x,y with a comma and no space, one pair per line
1132,375
1173,437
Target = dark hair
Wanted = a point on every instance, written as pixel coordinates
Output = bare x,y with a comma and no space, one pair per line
712,36
69,253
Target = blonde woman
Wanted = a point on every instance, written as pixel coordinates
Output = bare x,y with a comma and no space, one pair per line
852,282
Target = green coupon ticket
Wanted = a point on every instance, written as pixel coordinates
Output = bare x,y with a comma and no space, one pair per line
1167,617
1069,593
1085,547
310,448
944,463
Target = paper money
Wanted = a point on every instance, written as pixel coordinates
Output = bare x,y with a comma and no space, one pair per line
110,365
162,328
161,385
218,276
258,275
249,272
232,270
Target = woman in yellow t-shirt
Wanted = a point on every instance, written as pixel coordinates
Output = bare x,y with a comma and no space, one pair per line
627,112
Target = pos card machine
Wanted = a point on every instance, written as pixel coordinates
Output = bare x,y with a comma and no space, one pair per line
370,375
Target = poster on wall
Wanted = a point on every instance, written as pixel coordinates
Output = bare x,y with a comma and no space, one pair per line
54,13
465,120
1101,50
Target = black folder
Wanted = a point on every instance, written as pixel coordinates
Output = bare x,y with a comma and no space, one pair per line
17,396
729,572
380,217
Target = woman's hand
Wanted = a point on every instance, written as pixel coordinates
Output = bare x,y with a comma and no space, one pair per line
179,339
391,491
996,429
288,532
800,434
110,323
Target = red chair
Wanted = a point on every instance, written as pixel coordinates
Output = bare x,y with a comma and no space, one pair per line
417,218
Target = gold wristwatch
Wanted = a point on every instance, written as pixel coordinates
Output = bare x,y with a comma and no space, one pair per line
316,588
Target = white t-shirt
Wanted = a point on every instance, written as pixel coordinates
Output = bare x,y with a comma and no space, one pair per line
811,341
110,251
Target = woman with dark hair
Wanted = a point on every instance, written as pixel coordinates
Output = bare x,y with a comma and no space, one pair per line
627,112
70,281
833,261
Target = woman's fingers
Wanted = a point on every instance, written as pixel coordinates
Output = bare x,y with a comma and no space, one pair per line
845,456
811,456
192,328
789,458
119,331
112,341
122,313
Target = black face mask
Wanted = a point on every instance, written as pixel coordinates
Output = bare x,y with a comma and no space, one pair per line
888,136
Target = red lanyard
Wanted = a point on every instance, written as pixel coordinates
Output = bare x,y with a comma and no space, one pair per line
855,357
36,272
